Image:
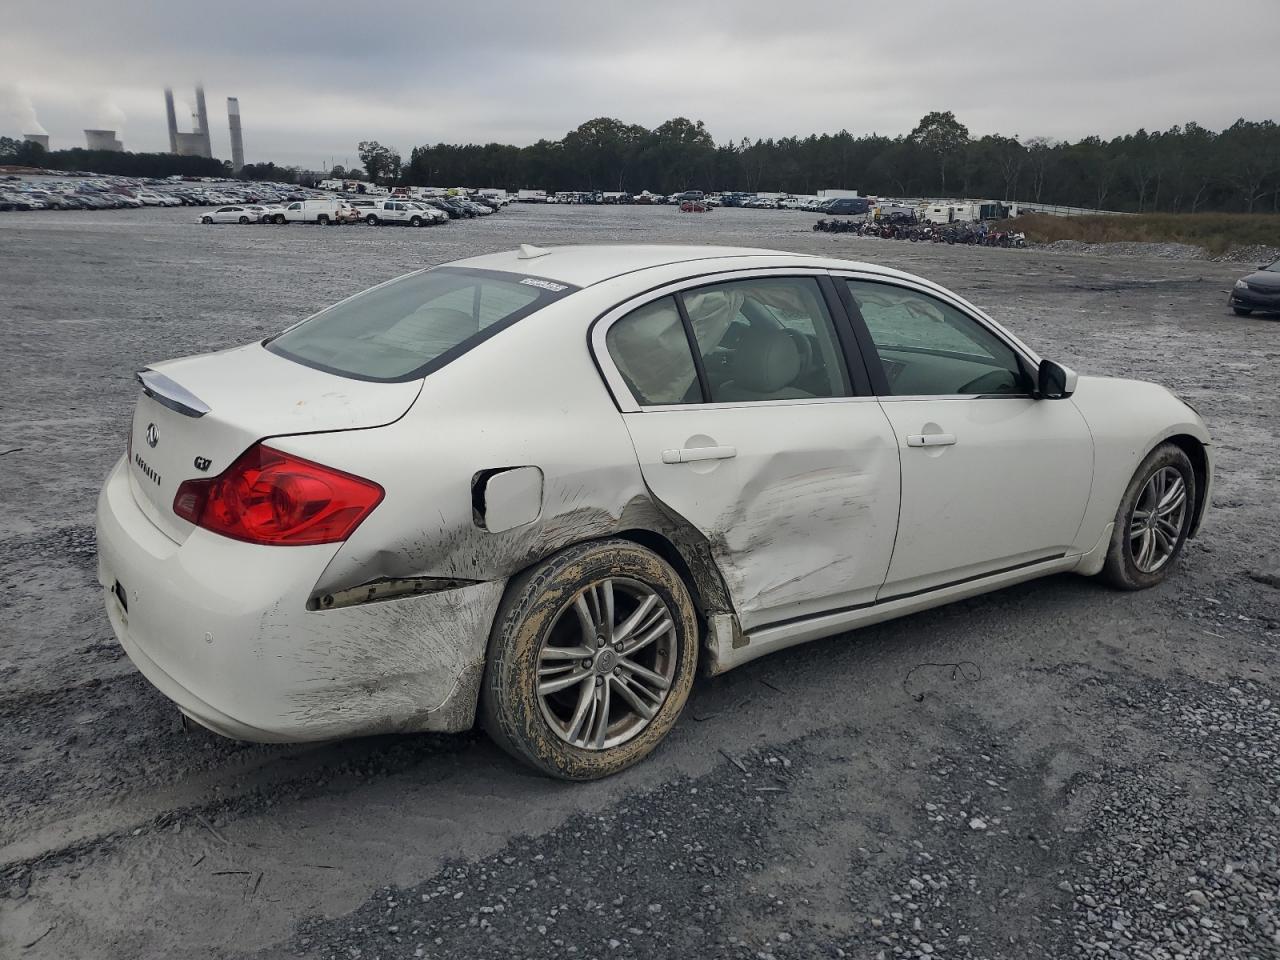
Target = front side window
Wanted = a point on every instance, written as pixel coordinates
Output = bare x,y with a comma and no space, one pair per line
405,329
770,338
929,348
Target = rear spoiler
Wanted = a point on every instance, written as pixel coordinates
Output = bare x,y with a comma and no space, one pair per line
169,393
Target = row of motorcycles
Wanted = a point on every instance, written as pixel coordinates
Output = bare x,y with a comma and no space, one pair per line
973,234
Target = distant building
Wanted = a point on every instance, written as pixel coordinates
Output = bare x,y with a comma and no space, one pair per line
40,138
103,140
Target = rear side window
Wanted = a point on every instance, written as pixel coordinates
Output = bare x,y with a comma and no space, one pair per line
769,338
405,329
651,351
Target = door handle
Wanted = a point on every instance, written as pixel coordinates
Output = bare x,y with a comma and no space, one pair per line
931,440
692,454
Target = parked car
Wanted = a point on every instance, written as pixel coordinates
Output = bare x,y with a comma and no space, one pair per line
454,205
230,214
1258,291
781,447
397,211
435,215
322,211
273,213
452,212
845,206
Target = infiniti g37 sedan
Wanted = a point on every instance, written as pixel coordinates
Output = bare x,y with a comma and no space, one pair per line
542,489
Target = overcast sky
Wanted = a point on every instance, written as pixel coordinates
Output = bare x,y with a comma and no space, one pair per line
314,78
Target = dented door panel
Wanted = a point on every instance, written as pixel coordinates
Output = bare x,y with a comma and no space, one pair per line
801,519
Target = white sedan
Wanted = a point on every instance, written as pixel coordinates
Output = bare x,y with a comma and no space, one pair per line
541,489
235,213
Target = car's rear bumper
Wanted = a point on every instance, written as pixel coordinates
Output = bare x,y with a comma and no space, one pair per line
221,628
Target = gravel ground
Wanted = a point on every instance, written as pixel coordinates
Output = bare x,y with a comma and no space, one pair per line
1099,777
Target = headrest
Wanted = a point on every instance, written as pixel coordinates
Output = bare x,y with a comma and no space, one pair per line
765,361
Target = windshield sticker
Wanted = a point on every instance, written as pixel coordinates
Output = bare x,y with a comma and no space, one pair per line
544,284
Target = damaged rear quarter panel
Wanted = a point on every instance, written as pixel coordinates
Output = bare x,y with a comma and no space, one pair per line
528,397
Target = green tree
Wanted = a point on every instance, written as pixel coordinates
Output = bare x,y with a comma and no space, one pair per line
381,163
942,136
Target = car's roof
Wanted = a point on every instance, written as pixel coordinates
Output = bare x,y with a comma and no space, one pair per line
585,265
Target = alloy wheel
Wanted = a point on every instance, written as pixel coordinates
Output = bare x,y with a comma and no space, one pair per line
1155,525
607,663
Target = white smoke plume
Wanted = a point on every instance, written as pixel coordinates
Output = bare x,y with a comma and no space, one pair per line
107,115
17,111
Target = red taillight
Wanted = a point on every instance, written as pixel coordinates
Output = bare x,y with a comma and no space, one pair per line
271,497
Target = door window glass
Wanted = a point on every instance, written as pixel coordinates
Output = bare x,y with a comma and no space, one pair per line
929,348
766,339
651,351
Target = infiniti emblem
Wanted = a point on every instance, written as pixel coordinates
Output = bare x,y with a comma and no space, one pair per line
153,435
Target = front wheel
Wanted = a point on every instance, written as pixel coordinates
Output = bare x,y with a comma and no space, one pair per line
591,659
206,219
415,221
1241,311
244,220
1153,520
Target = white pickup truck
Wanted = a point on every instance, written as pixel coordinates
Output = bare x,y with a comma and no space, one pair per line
323,212
398,211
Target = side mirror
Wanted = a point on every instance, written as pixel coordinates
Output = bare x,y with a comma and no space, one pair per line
1054,381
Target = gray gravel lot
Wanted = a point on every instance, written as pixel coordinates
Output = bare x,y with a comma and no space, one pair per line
1100,779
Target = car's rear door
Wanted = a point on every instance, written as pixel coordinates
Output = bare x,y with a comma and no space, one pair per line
763,435
992,477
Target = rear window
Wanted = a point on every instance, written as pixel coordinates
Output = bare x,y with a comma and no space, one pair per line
405,329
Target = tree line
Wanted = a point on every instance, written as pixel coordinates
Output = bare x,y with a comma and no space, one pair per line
1183,169
28,154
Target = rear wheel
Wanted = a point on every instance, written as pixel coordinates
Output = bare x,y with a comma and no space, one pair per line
323,220
279,218
1241,311
371,219
1153,520
415,221
591,660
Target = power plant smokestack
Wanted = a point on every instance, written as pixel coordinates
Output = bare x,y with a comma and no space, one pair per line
102,140
193,144
237,140
202,120
40,138
173,120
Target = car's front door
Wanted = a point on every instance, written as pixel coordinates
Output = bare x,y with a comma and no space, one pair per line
760,437
992,478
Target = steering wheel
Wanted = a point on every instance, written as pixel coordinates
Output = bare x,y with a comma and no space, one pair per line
993,381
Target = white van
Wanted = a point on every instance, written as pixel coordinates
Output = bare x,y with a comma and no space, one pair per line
323,212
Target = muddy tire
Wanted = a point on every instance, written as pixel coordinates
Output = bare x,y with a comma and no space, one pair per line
548,680
1152,521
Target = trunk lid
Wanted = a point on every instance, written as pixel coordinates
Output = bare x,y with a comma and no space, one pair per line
202,412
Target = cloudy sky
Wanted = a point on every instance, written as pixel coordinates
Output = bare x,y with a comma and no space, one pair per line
313,78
